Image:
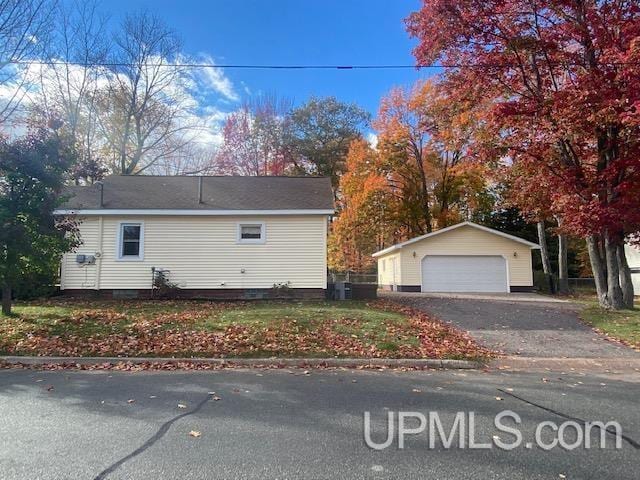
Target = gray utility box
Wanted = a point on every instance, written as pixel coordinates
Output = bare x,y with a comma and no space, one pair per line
342,291
81,258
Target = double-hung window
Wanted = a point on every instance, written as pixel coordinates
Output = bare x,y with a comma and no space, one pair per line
130,241
251,233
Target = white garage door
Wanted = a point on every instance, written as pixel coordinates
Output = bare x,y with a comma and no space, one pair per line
464,273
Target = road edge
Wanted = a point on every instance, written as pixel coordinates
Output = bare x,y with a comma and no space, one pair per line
420,363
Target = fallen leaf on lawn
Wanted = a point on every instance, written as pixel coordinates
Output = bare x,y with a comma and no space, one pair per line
182,405
194,433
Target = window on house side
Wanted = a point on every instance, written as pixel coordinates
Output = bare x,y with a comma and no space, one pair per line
251,233
130,241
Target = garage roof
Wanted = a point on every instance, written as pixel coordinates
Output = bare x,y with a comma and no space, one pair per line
399,246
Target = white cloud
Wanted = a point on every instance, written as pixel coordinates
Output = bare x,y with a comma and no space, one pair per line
215,78
372,138
200,90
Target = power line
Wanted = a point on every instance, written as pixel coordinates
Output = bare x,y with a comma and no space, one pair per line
297,67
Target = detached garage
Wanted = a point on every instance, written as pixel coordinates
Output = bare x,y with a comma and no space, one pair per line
466,257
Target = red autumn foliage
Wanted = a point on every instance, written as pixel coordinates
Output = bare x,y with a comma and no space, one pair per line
564,80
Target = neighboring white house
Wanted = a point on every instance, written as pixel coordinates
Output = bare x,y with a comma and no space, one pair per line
462,258
223,237
633,258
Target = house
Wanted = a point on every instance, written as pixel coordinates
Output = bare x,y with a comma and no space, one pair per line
633,258
219,237
466,257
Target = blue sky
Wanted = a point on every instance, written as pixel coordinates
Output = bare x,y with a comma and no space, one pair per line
294,32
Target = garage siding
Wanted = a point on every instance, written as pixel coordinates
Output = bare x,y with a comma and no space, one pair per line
633,258
386,270
202,252
466,240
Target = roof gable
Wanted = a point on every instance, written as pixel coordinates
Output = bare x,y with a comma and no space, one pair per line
399,246
222,193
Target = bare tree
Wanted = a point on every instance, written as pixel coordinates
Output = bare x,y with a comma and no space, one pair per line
70,81
24,29
193,159
143,111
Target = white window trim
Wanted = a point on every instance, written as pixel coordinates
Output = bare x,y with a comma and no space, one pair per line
251,241
129,258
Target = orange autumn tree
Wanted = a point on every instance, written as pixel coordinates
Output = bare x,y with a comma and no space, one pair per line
359,230
424,139
419,177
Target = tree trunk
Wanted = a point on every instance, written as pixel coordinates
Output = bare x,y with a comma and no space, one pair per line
544,253
6,298
614,292
598,268
563,266
626,283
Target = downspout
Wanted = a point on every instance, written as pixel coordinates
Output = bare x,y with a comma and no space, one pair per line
99,252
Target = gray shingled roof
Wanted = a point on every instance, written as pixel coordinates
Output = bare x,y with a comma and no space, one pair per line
218,193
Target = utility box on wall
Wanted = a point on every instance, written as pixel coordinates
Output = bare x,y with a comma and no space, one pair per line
85,259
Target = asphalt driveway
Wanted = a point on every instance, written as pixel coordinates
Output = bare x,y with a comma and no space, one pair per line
518,325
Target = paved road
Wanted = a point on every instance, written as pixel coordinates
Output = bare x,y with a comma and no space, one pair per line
275,424
531,329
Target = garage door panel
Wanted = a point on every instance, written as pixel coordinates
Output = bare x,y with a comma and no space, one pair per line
464,273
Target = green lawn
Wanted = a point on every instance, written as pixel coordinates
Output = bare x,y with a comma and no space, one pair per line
623,324
228,329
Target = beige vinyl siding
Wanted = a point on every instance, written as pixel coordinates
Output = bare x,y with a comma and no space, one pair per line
633,258
386,270
73,275
466,240
203,252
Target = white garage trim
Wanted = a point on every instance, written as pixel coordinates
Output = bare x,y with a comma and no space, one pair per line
467,276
